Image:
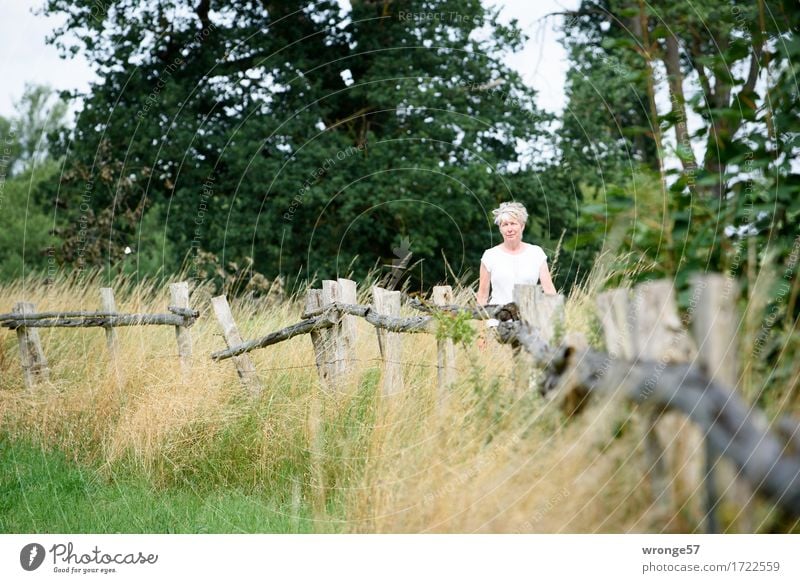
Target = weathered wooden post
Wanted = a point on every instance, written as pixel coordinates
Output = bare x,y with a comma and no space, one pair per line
179,297
658,335
548,313
244,366
525,299
614,310
387,303
445,349
625,325
340,338
107,304
348,294
319,340
714,326
34,363
333,346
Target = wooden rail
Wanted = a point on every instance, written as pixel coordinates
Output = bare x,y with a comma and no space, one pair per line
328,319
26,321
650,366
766,457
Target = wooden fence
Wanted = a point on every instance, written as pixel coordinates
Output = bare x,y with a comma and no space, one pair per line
651,359
329,318
26,321
654,362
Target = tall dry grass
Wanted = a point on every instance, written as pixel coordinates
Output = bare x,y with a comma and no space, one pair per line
493,458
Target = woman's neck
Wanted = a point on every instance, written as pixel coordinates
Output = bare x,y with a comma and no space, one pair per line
512,247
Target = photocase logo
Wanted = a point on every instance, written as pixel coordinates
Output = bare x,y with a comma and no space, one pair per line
31,556
400,262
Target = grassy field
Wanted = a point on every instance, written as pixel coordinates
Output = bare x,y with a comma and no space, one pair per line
135,447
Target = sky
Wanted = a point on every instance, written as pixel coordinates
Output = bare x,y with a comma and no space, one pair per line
26,58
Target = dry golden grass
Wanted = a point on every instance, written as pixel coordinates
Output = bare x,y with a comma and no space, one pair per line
493,458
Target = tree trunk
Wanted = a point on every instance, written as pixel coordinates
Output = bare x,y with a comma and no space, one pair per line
642,28
672,61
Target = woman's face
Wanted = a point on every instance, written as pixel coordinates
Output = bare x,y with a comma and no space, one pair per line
511,229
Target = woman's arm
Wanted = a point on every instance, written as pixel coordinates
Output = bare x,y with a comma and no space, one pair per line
483,299
546,280
483,286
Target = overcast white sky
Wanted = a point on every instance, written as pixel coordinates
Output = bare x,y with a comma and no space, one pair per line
26,58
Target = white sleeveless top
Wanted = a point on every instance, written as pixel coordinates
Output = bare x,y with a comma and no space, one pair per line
508,269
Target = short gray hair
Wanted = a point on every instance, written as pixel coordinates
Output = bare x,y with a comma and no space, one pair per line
514,210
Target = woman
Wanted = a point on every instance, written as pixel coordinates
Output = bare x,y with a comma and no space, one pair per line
512,261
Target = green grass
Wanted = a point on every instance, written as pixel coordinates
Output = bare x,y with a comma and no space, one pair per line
43,492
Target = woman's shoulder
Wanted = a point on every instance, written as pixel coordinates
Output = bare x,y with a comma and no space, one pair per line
535,249
491,256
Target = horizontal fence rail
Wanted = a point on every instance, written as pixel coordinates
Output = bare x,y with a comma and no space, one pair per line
101,321
25,320
16,320
324,320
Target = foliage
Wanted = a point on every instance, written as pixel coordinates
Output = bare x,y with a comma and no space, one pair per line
315,156
733,180
26,242
458,327
705,178
28,185
27,135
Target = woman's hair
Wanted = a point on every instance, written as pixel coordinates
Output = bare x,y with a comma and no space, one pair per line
514,210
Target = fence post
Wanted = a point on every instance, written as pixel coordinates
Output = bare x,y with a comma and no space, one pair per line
336,340
179,297
348,294
525,299
548,313
445,349
714,327
614,310
319,339
388,303
107,304
244,366
34,363
658,334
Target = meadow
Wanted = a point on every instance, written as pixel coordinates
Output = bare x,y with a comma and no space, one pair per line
134,446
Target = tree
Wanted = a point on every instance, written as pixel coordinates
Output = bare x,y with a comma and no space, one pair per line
715,46
28,184
724,73
709,59
307,138
40,113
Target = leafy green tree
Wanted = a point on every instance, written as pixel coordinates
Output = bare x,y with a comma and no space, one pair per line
311,139
40,114
709,59
29,184
721,191
605,134
27,244
9,148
